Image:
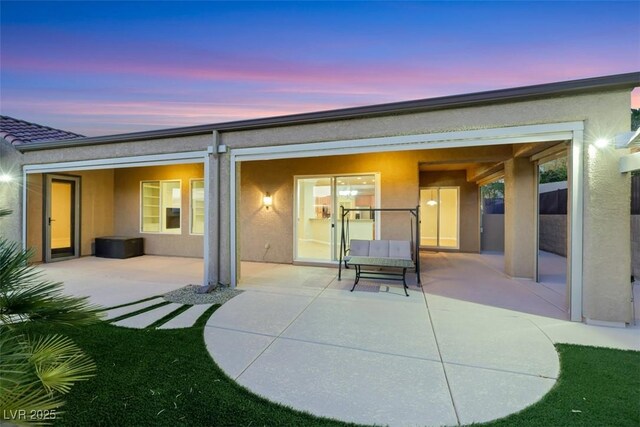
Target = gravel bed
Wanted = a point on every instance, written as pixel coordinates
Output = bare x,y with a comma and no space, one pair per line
188,295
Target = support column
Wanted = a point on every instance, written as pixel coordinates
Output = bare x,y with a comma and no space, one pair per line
606,245
519,218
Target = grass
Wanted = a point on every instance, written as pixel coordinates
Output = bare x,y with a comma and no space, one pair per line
166,377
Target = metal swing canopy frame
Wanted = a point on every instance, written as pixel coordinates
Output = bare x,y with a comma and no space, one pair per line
415,233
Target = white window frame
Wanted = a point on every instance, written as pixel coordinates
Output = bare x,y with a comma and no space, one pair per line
177,231
191,181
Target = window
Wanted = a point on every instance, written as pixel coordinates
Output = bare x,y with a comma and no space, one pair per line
160,207
197,206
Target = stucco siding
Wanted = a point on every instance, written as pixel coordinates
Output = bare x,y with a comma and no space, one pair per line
553,234
550,110
11,192
127,208
119,149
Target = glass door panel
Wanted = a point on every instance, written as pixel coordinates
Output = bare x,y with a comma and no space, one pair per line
448,229
314,218
439,217
429,217
61,216
355,191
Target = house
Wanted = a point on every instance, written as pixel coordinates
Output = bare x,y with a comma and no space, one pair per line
269,189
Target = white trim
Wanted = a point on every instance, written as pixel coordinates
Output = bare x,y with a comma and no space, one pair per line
623,140
577,220
352,147
206,237
119,162
24,210
495,136
630,162
232,222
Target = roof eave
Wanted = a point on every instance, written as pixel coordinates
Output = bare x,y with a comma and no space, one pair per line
596,84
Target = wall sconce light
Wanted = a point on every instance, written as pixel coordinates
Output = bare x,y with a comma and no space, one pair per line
267,200
601,142
6,178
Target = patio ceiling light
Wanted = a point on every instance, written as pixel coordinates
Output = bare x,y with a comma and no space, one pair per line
267,200
432,201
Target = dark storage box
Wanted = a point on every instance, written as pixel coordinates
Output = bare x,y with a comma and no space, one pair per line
119,247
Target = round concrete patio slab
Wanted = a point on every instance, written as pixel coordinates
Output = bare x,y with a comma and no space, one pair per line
374,356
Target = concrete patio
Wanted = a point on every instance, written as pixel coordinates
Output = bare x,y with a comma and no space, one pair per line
471,345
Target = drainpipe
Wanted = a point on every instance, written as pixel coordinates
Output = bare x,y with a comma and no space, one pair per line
214,212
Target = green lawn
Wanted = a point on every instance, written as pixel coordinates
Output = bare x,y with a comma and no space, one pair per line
166,377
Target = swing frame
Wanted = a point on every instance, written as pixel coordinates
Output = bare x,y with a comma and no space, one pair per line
415,235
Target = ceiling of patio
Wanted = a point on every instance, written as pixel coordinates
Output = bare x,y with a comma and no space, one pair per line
489,164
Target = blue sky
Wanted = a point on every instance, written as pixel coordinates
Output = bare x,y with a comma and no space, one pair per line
110,67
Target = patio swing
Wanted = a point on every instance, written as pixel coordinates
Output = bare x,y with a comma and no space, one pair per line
347,252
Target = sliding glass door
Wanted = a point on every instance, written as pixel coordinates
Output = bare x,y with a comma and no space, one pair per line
440,217
317,214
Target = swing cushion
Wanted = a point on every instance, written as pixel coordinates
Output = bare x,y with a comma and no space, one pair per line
379,249
400,249
359,248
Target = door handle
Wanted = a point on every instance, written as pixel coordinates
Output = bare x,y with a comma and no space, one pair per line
51,220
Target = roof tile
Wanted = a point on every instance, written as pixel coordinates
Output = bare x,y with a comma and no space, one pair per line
19,132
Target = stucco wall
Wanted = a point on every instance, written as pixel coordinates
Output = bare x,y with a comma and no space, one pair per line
11,192
119,149
127,208
469,204
519,217
607,225
493,232
553,234
96,209
550,110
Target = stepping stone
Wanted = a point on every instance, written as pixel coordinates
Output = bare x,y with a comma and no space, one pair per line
187,318
117,312
148,317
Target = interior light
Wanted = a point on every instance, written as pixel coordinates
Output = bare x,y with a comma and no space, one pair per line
354,192
267,200
601,142
5,177
431,201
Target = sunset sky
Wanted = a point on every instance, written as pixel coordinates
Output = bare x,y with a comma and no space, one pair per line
111,67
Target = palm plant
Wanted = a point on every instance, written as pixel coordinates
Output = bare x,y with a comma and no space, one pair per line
36,370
